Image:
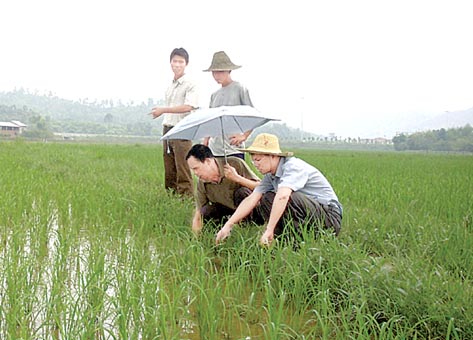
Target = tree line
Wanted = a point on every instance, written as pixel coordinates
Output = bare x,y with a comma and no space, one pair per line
46,114
453,139
58,115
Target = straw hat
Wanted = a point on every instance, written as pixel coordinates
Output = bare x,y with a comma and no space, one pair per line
266,144
221,62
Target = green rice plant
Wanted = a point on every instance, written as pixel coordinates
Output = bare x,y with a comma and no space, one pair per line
93,246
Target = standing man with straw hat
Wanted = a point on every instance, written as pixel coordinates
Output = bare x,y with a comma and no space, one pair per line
292,192
230,94
181,98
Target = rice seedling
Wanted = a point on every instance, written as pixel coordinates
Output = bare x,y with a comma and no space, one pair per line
92,246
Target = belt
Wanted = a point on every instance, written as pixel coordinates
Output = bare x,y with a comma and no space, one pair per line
166,128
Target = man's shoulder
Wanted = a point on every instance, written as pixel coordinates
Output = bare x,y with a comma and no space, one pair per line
236,86
292,160
219,90
188,80
236,161
233,86
242,167
296,164
220,161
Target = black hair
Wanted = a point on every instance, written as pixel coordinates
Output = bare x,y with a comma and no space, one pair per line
180,52
200,152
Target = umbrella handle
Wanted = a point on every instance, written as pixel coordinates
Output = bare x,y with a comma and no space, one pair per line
223,141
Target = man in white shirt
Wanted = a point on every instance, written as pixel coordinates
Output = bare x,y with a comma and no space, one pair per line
181,98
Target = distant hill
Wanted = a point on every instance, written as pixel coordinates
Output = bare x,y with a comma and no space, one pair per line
83,110
391,124
446,120
117,118
105,117
394,124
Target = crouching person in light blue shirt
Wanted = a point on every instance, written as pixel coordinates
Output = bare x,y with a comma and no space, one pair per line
291,192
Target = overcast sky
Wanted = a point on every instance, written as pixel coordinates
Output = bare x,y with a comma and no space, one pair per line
325,65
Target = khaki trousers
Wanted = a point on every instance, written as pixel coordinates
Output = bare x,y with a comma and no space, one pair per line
177,175
216,213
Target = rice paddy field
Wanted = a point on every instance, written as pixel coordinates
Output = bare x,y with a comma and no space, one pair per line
93,247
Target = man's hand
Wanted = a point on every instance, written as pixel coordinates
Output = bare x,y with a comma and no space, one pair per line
237,139
197,223
267,238
230,172
156,112
196,230
223,233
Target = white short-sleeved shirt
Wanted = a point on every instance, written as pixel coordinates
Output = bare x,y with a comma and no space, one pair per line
182,91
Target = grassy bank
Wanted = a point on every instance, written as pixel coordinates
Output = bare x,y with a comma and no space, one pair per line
92,246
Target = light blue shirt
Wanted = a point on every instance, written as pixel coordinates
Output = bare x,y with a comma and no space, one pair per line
301,177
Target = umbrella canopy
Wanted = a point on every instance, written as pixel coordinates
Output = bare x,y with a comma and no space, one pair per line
226,120
218,121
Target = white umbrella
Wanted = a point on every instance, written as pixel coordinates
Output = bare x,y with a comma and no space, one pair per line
222,120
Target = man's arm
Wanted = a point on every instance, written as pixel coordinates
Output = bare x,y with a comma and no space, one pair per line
243,210
240,138
233,175
279,206
158,111
197,222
